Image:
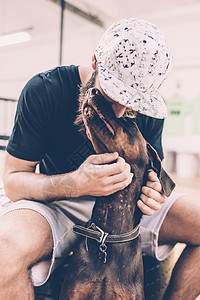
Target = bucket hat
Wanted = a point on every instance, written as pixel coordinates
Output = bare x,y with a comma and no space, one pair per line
133,61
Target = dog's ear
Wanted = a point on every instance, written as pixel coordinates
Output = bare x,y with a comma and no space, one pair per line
155,163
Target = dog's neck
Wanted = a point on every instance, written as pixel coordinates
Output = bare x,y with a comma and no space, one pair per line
118,213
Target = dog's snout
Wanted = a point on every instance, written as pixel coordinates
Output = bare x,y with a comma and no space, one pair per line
94,91
91,93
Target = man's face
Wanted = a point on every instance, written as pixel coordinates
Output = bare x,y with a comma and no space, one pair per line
117,108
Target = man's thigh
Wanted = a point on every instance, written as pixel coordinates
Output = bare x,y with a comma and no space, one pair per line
27,233
60,216
182,222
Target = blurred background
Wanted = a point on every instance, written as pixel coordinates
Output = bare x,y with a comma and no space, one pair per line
37,35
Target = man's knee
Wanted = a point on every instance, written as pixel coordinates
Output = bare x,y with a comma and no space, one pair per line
187,214
13,241
182,222
25,237
10,251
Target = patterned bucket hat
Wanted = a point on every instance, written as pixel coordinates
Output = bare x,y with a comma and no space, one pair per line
133,61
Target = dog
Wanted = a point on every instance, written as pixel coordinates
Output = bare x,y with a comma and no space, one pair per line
107,263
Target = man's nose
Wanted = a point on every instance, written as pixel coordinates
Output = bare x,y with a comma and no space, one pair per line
118,109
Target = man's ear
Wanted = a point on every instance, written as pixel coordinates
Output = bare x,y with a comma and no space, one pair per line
94,62
155,163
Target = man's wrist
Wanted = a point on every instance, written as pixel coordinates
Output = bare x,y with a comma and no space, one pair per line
61,186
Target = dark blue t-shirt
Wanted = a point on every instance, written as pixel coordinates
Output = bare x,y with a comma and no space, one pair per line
44,130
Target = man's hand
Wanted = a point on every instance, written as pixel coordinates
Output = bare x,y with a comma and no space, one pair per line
103,175
152,196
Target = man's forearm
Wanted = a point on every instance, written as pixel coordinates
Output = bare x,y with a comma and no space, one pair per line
99,175
32,186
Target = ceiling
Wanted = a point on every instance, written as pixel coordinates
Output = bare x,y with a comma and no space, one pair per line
18,14
176,18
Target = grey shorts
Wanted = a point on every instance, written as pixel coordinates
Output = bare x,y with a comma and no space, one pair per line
61,216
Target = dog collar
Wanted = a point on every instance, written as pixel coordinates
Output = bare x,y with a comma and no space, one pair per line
96,233
92,231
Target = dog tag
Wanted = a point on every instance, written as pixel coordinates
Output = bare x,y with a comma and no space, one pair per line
103,253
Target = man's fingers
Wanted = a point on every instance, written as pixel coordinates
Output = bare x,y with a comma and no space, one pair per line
120,178
154,182
100,159
144,208
118,167
152,203
101,178
153,194
155,185
118,186
152,175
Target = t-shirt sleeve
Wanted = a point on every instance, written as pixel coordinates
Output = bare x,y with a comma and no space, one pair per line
151,129
154,135
29,137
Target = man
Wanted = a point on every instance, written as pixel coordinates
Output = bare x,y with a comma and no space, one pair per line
129,65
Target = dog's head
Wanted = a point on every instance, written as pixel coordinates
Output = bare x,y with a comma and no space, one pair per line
109,134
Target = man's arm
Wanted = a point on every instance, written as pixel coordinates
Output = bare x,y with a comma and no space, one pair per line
95,177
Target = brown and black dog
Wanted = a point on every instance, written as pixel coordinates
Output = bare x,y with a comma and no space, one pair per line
104,270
